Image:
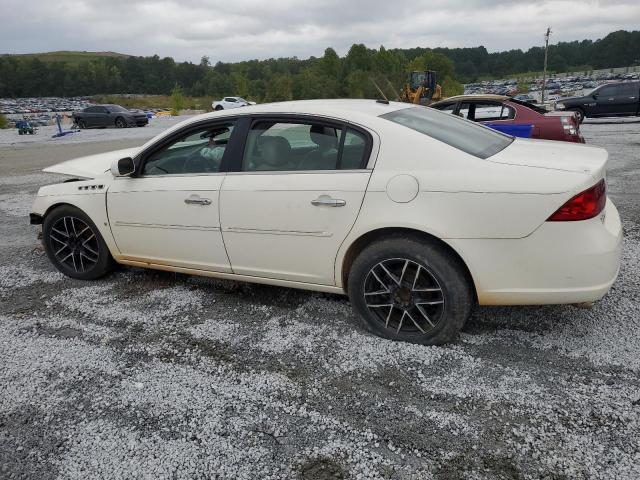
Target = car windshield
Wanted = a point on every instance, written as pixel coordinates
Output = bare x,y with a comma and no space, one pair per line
240,99
462,134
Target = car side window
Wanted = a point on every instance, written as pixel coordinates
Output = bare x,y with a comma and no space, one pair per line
448,108
629,89
281,146
197,152
304,146
486,112
464,109
609,91
229,99
354,150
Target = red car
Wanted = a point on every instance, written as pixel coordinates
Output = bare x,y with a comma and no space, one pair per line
504,113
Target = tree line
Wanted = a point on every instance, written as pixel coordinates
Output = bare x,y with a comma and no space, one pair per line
354,75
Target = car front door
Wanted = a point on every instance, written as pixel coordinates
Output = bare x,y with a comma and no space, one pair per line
104,117
168,213
89,116
294,197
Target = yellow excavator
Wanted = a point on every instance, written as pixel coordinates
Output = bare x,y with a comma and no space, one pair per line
422,88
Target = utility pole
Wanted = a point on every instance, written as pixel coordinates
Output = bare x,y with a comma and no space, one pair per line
544,71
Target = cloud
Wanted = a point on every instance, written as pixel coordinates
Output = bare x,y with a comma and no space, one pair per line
245,29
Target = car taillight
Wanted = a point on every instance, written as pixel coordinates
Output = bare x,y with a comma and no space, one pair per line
583,206
569,125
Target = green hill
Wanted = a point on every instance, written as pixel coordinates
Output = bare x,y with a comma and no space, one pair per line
67,56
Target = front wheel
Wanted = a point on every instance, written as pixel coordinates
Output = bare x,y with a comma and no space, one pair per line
409,290
74,244
120,123
219,107
81,124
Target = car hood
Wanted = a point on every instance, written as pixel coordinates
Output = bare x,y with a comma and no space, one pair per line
91,166
568,99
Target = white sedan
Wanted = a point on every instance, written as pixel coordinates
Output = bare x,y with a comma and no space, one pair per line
230,102
417,215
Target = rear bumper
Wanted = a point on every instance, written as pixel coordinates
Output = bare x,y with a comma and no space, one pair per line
561,262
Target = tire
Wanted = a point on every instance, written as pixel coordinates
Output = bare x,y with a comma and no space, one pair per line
579,114
68,232
120,123
427,295
219,107
82,124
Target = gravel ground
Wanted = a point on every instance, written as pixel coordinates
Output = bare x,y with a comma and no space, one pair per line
157,375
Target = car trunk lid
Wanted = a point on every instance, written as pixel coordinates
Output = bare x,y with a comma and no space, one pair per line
552,155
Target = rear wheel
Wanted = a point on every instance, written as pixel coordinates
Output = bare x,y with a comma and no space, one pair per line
410,290
74,244
120,123
579,114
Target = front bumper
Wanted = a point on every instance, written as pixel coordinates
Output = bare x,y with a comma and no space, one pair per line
137,121
561,262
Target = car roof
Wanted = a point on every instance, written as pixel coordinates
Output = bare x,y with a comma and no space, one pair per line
479,96
357,111
337,108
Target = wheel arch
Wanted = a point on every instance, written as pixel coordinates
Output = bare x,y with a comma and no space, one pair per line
372,236
93,206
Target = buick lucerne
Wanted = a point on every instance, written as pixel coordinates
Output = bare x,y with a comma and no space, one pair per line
415,214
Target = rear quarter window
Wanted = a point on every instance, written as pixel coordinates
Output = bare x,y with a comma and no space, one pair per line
471,138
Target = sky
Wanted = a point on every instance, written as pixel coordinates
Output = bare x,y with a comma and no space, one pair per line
245,29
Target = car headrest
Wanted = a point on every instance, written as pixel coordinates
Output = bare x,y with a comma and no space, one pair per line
275,150
281,144
324,137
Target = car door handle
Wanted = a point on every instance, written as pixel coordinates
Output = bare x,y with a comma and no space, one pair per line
327,201
197,200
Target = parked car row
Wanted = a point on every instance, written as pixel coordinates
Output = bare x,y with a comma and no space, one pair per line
416,214
555,85
10,106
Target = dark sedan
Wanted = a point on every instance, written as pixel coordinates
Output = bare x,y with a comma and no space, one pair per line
109,116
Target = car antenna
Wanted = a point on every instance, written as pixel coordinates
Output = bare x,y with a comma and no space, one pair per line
386,100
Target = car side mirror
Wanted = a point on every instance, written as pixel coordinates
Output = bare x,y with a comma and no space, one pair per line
123,167
595,95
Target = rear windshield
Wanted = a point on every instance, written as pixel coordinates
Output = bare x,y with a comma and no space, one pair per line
535,108
462,134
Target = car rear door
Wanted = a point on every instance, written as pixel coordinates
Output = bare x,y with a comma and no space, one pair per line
169,214
630,92
294,197
611,100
